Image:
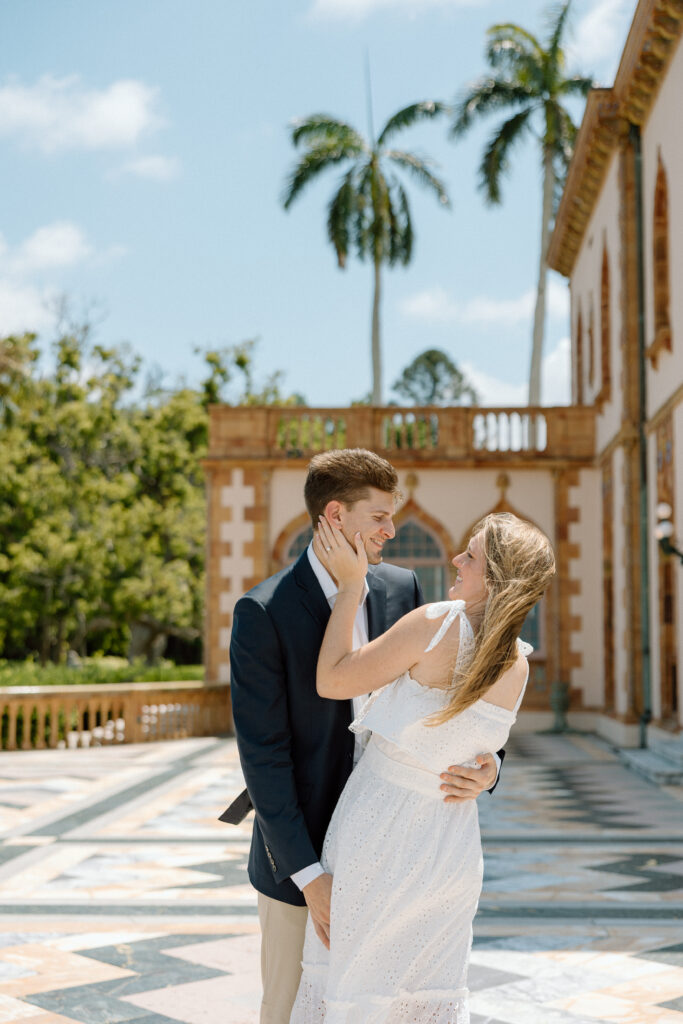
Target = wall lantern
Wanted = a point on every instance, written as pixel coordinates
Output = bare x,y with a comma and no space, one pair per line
664,530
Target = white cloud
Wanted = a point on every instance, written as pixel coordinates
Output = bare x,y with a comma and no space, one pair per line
555,381
155,168
27,304
61,244
599,38
556,375
61,113
357,9
24,308
493,391
434,305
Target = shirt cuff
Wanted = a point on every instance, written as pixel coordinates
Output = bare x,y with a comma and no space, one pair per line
306,875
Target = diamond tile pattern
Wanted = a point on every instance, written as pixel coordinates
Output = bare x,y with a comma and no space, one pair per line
123,899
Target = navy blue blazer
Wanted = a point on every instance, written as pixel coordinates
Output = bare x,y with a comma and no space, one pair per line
295,747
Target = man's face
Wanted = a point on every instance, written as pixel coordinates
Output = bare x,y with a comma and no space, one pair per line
371,516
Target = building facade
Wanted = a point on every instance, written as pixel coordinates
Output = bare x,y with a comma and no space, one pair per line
619,240
455,465
592,475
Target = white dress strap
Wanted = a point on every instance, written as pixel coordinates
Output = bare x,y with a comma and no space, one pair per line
451,610
525,649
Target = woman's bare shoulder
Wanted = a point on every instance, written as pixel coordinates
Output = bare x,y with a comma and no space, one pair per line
508,686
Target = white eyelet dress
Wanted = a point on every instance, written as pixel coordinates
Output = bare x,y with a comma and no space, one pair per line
407,867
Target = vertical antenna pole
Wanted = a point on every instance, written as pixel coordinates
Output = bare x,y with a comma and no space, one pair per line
368,86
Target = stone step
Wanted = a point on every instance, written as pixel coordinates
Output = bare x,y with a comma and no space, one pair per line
670,750
653,767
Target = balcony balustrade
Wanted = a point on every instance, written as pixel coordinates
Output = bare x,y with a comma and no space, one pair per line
40,717
470,434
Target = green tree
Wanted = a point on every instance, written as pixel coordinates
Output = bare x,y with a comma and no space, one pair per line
156,588
529,77
102,507
17,355
370,211
64,446
236,362
433,379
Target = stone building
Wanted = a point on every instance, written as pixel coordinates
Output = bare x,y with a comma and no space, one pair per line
454,466
591,475
619,240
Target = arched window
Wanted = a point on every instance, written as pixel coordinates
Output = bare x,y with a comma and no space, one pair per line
298,544
605,392
578,365
660,266
417,548
591,343
413,547
532,630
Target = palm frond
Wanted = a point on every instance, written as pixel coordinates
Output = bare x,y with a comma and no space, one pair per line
363,211
563,151
522,39
566,137
322,128
393,232
487,96
557,16
310,166
518,57
577,85
514,62
405,250
340,217
419,168
495,162
427,110
378,227
560,130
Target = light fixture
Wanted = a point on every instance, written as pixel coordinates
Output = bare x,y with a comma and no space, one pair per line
664,530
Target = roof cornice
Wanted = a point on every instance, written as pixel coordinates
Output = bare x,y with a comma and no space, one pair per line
656,28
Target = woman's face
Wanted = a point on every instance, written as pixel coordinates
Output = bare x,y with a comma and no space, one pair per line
470,585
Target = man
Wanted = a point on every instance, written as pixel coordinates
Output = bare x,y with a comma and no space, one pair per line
295,747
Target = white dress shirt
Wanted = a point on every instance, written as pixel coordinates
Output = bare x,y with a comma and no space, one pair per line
360,638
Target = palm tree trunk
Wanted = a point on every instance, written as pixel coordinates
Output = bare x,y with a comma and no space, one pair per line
376,345
539,312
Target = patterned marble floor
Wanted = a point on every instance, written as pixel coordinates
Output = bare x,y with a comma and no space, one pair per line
123,899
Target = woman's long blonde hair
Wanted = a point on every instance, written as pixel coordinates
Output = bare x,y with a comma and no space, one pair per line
519,564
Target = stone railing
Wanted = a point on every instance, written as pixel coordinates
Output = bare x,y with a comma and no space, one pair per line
39,717
467,433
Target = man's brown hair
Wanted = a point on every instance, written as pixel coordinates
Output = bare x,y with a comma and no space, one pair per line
346,475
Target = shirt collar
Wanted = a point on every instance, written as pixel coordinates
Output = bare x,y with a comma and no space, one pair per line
327,584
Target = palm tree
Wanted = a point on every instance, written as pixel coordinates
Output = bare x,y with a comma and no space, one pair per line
370,210
529,78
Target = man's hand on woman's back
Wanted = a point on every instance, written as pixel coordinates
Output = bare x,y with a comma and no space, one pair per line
459,783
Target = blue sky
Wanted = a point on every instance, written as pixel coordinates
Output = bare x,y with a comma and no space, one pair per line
144,150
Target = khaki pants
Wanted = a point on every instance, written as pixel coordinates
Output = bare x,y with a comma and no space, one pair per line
283,928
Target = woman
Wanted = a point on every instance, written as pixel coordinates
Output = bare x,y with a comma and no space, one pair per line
407,867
